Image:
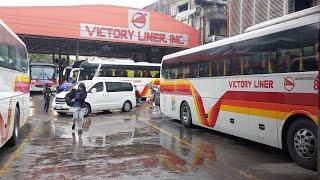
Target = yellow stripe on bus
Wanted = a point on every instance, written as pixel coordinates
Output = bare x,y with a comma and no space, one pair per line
255,112
22,78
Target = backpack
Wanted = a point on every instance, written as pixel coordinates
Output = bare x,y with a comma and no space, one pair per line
69,100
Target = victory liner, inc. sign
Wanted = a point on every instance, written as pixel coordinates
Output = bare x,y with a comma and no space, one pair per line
138,31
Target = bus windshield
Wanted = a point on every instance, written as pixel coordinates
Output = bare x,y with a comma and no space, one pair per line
43,72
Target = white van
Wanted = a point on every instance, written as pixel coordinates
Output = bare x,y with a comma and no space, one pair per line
101,96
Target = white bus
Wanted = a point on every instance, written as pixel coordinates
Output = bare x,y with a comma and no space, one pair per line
138,73
261,85
14,85
43,74
70,73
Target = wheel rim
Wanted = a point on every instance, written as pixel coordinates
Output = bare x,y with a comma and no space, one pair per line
86,110
127,106
16,128
185,114
305,143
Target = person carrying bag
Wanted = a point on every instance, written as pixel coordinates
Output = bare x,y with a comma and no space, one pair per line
76,99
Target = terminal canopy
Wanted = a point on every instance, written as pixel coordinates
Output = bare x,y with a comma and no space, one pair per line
99,30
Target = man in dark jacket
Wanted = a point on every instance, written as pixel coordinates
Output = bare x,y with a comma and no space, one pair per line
46,94
79,105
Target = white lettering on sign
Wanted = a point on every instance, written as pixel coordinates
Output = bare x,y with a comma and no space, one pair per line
124,34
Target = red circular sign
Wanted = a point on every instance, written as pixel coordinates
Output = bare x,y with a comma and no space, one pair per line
288,83
139,20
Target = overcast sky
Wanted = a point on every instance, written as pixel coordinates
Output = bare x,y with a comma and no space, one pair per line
128,3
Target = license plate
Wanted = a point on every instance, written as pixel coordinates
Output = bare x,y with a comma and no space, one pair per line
58,107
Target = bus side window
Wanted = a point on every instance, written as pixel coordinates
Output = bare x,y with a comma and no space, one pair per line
165,73
108,72
194,71
235,67
298,49
180,73
158,74
186,71
226,67
271,61
137,73
130,73
154,74
217,68
146,74
309,60
3,55
120,73
204,69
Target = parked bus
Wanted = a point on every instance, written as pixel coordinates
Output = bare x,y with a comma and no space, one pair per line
14,85
261,85
141,74
43,74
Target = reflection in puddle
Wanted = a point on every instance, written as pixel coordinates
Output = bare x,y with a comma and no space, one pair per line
115,132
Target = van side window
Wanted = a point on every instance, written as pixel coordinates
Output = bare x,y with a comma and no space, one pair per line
98,86
113,86
118,87
126,87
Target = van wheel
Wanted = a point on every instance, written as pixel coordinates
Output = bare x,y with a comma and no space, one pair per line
302,143
14,140
126,106
185,115
87,110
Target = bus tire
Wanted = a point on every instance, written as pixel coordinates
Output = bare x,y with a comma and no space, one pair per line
14,140
87,110
301,143
185,115
126,106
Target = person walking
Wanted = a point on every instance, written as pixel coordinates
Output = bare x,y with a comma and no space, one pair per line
65,85
46,94
79,96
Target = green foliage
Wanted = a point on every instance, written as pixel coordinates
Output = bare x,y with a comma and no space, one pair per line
45,58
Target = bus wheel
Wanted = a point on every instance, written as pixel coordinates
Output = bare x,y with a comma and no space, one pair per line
14,140
185,115
302,143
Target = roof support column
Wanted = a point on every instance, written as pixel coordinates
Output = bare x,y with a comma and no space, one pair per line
68,59
60,66
77,50
53,60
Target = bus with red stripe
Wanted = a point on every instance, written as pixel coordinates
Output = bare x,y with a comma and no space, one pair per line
14,85
141,74
43,74
261,85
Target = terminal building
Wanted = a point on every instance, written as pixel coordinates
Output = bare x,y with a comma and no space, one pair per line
252,12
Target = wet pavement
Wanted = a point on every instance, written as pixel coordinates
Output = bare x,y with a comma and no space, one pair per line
142,144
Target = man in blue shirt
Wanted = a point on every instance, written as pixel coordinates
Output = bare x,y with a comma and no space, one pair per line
65,85
79,105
